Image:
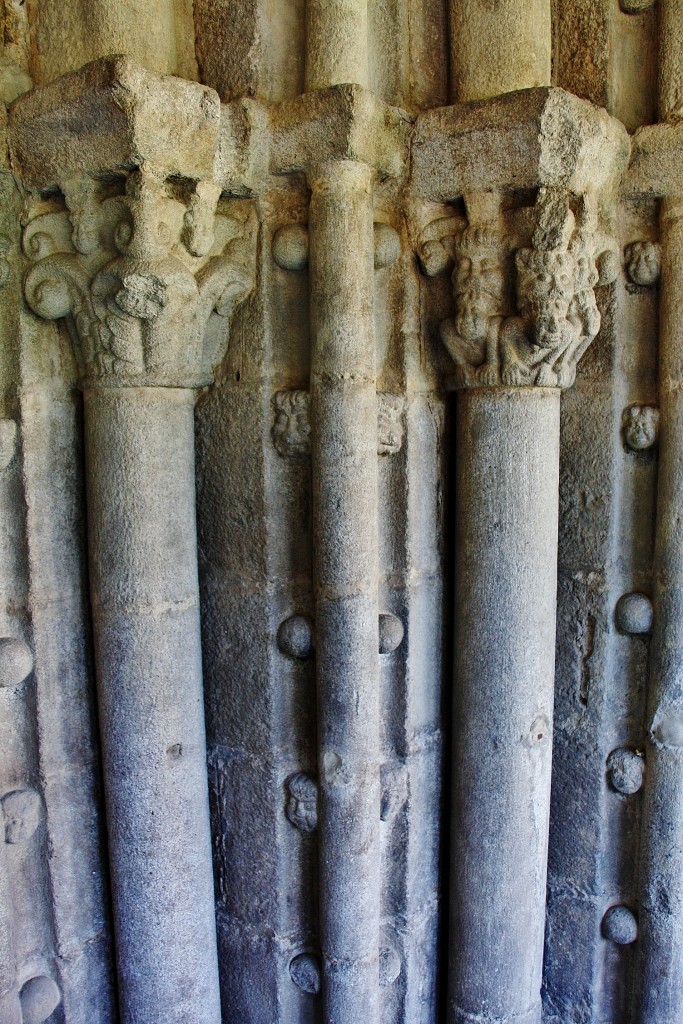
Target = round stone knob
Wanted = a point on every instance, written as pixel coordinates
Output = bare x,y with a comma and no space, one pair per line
290,247
626,771
620,925
387,246
634,614
389,966
39,998
16,661
390,633
295,637
304,970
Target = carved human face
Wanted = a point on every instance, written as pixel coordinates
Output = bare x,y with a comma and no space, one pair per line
641,426
302,802
546,283
479,286
643,261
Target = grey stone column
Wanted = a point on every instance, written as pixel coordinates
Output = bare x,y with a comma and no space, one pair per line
147,281
506,576
661,897
661,864
344,448
144,592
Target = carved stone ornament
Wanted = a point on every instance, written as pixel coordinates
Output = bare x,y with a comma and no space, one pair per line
302,802
539,338
643,262
291,430
137,263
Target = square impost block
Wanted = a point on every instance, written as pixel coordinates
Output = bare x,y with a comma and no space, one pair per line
110,115
656,167
344,122
522,140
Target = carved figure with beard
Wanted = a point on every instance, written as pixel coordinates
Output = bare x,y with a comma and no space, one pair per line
540,346
472,336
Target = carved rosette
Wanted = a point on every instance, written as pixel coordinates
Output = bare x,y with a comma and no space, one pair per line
524,287
138,263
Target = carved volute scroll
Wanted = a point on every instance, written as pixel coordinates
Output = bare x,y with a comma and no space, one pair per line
137,264
130,241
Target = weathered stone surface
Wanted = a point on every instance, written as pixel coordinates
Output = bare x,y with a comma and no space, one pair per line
274,230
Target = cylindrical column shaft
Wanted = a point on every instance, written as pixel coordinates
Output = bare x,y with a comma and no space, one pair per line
336,43
670,59
661,898
660,982
144,29
498,47
344,421
143,564
506,577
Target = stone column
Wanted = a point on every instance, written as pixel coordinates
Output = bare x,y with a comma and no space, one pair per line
525,312
345,535
137,271
499,47
661,897
506,579
661,865
336,43
344,424
144,594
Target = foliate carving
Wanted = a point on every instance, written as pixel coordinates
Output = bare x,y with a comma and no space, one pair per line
524,313
137,264
291,430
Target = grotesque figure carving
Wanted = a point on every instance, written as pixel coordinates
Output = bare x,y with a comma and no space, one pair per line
291,430
21,813
641,427
472,336
643,262
538,345
302,802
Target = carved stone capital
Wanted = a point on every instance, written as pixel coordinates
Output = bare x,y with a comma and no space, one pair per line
524,289
524,277
128,243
